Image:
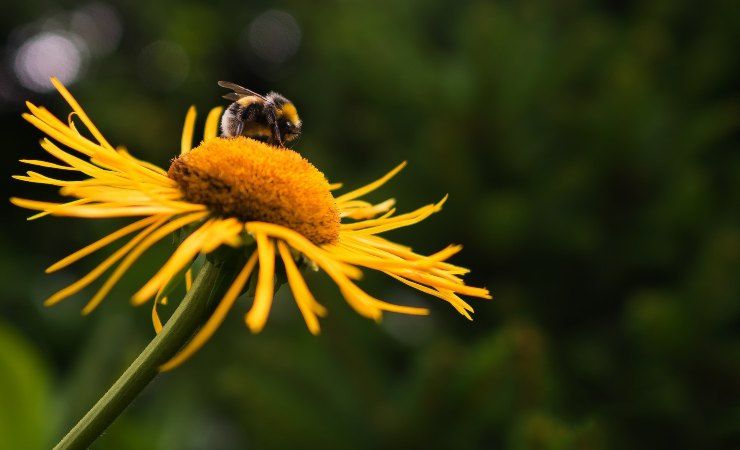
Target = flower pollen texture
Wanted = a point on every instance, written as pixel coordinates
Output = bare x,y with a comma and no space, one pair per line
252,181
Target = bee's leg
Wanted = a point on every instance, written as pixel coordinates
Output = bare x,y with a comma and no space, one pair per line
276,135
239,128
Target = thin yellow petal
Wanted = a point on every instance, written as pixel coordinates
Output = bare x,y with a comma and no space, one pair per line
306,302
188,279
180,258
84,147
211,128
368,212
187,131
45,115
445,253
54,210
100,269
156,322
78,163
441,283
218,316
371,243
404,220
370,187
225,231
79,254
383,243
257,315
147,164
34,177
358,299
362,254
80,112
303,245
368,223
72,136
50,165
459,304
97,211
160,298
373,259
138,251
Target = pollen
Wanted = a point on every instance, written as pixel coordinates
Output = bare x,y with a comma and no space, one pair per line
252,181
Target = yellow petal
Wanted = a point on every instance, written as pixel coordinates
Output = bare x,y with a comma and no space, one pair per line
257,315
80,112
306,302
79,254
180,258
101,268
187,131
370,187
188,279
138,251
218,316
211,128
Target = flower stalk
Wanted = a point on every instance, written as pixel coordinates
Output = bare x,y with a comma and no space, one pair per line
212,281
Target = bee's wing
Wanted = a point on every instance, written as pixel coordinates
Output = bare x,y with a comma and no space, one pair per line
239,90
233,96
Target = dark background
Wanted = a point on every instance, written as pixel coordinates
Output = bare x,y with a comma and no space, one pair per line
590,151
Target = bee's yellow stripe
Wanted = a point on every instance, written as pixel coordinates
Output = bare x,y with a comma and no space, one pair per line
290,113
248,100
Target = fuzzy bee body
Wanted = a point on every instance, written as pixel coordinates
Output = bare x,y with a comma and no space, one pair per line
271,118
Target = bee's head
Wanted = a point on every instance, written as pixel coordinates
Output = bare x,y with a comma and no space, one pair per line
289,123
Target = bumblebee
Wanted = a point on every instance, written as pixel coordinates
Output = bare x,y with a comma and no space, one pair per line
272,118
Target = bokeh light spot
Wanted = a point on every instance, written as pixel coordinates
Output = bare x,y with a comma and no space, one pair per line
99,25
49,54
274,36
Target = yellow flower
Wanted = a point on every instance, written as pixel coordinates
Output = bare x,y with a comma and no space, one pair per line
239,193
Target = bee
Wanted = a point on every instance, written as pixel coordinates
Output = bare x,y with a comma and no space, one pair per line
271,118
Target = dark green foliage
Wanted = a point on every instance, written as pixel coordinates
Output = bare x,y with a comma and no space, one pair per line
591,157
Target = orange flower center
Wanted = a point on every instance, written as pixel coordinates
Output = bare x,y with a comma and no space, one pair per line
253,181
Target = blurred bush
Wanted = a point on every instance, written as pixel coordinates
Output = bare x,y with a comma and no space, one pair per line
591,155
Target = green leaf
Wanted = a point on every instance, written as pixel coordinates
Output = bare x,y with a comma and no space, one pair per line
25,394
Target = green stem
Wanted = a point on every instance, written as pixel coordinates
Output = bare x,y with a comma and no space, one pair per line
193,311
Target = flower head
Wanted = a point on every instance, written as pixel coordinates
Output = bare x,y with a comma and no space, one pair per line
240,193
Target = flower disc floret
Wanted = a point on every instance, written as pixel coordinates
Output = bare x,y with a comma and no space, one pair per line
253,181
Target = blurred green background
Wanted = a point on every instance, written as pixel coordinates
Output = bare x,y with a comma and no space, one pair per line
590,151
